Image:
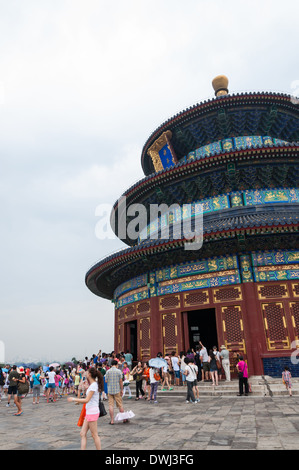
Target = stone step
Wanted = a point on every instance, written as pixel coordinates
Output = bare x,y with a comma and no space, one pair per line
260,386
209,390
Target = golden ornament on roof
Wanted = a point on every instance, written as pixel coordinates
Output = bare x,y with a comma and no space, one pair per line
220,84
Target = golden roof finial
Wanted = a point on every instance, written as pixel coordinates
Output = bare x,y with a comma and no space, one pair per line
220,84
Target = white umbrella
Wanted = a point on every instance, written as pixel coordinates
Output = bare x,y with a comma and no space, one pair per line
157,362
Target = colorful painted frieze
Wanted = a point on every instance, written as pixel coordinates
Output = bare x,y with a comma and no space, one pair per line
177,214
276,273
266,196
246,268
278,257
200,267
134,283
227,145
230,144
152,284
199,282
245,142
280,142
207,150
191,157
236,199
134,296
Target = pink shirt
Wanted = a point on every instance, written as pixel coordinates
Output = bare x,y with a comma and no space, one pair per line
57,379
242,366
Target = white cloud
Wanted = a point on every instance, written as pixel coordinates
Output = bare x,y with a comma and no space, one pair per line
107,180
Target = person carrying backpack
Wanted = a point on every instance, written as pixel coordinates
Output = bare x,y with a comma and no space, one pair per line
36,386
154,380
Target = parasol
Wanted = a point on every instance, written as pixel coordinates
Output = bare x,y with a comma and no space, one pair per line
55,364
157,362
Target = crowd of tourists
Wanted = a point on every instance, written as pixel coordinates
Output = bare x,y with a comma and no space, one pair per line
89,383
102,377
184,369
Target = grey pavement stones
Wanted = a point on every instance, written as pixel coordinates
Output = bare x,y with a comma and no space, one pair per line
216,423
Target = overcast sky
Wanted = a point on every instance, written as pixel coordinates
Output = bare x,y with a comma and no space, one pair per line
82,86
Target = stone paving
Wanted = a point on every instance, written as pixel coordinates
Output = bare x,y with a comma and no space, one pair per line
216,423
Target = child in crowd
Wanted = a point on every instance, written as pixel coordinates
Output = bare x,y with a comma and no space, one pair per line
71,383
66,385
58,380
126,380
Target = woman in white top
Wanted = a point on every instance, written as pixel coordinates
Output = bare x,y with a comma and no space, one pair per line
176,368
96,386
51,386
190,373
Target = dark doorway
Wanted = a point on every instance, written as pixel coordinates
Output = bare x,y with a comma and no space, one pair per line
202,327
131,340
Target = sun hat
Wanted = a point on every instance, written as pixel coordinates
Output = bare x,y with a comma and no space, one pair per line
223,347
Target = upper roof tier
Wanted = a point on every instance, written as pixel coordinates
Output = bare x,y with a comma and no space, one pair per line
226,116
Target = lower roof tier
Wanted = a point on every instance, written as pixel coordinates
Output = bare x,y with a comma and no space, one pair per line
175,214
237,230
218,271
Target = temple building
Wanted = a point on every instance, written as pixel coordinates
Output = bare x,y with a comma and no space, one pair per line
236,158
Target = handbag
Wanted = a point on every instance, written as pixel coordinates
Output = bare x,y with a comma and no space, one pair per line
218,363
23,388
102,409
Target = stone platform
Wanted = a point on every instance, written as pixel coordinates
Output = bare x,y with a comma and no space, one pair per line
260,386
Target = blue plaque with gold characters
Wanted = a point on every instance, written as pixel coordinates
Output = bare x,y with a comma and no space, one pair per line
161,152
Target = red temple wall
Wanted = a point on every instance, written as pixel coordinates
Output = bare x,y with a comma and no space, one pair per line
257,320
